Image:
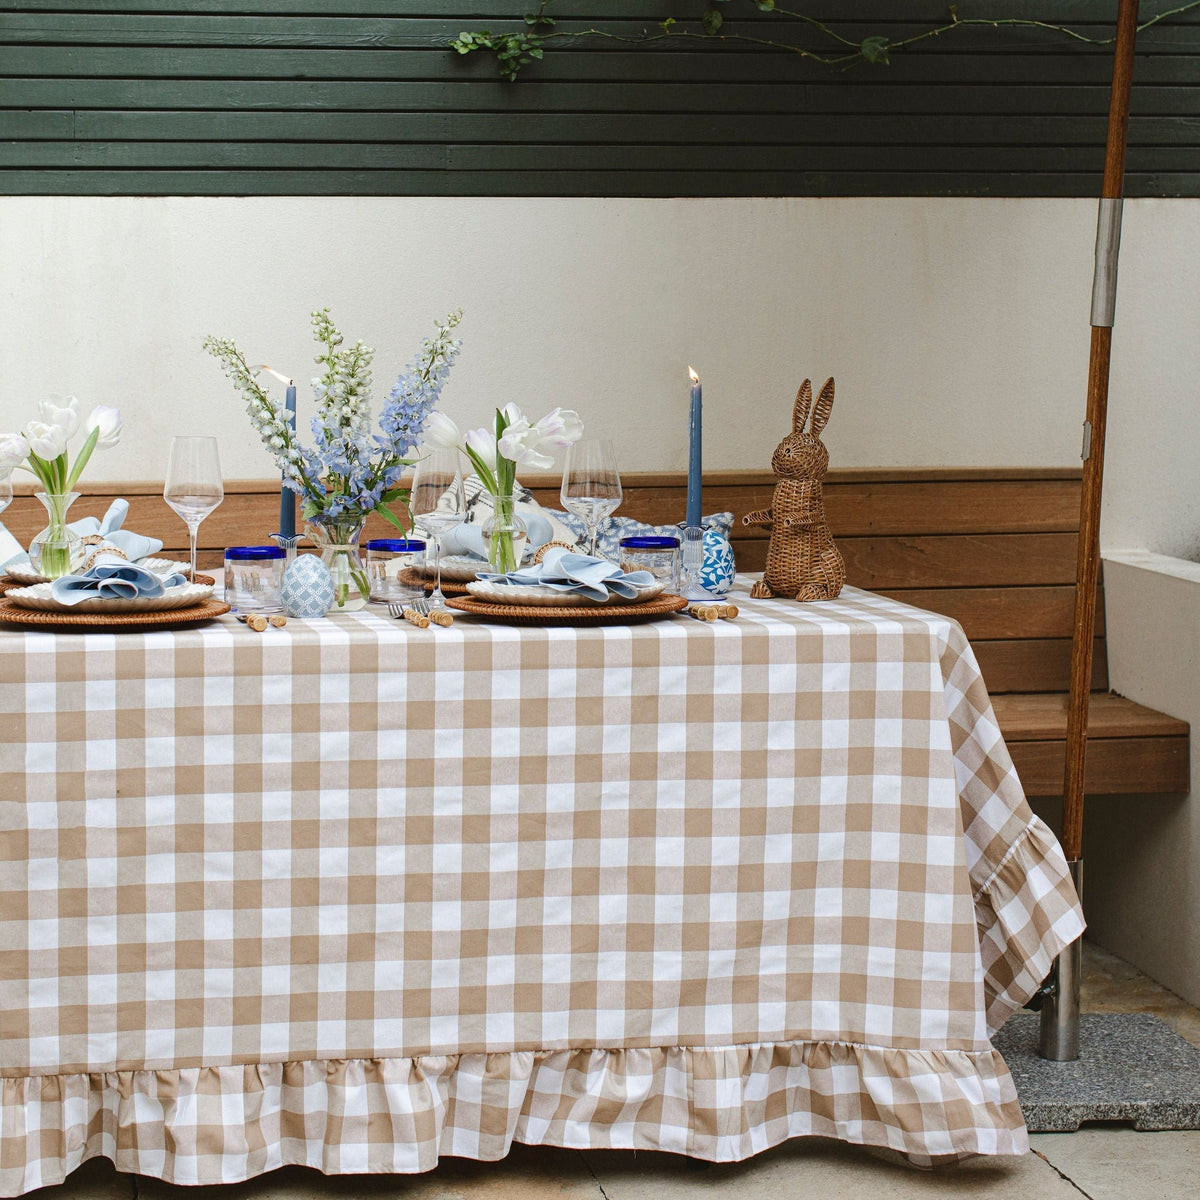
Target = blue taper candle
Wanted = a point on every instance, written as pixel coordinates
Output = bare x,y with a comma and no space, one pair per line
287,498
694,452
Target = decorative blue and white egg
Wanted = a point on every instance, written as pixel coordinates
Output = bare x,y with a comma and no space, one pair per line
307,589
717,567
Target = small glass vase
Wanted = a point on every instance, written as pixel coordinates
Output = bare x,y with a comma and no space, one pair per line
504,535
57,550
337,539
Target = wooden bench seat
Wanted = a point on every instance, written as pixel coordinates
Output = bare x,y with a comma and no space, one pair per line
992,548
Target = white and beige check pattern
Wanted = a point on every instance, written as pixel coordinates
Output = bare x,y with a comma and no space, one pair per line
353,894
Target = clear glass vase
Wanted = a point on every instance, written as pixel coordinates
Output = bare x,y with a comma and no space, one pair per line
57,550
337,539
504,535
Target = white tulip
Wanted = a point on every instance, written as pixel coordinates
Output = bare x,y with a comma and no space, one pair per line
62,411
13,450
560,428
440,431
108,421
483,443
514,416
523,447
46,441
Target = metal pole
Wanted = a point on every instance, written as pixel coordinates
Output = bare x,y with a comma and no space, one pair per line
1060,1014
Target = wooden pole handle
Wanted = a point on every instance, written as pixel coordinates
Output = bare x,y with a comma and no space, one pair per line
1088,556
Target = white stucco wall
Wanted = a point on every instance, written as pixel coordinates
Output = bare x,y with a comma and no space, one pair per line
956,329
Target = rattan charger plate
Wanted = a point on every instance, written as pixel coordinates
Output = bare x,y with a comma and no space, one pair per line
414,578
12,614
527,614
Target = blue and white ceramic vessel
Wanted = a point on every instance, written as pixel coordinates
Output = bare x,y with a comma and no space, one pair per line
717,568
307,588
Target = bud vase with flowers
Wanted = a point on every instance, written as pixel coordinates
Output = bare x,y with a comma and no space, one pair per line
349,472
517,442
41,450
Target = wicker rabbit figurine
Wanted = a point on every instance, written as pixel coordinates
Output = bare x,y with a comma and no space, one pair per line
802,561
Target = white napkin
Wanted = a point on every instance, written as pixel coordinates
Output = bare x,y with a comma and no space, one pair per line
10,548
581,574
112,578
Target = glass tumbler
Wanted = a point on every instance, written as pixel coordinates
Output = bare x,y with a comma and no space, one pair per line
658,555
253,577
394,569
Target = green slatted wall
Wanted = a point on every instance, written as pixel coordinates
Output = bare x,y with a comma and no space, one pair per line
221,97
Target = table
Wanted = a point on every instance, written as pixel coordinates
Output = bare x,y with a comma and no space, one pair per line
353,895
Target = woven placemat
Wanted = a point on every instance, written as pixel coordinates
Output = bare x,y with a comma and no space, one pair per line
15,615
7,584
535,614
414,578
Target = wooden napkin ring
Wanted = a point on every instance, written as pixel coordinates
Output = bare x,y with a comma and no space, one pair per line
541,550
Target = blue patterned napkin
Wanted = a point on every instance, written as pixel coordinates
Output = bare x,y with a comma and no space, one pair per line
580,574
112,578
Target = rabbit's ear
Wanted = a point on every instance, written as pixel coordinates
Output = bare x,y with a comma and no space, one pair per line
824,407
803,404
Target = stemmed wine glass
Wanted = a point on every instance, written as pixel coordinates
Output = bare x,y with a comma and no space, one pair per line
438,503
591,486
193,488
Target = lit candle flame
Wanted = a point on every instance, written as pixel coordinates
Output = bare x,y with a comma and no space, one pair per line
694,377
271,371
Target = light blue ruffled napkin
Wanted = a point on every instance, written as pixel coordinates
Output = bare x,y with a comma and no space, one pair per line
112,578
132,545
580,574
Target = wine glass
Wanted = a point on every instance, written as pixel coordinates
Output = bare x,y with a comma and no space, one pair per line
591,486
193,488
438,503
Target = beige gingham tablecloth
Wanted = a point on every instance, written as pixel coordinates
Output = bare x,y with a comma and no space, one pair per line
353,895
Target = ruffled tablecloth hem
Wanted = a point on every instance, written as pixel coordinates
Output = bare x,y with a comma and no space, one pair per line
1027,912
397,1115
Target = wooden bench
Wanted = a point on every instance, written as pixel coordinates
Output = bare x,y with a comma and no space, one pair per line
995,549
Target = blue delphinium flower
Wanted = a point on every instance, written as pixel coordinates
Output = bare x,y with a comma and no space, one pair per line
347,470
415,393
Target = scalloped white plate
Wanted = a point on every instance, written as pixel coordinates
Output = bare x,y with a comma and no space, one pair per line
457,568
41,597
546,597
160,566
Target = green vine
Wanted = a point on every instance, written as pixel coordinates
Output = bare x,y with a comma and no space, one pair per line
516,50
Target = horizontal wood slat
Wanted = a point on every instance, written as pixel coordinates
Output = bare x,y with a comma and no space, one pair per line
970,560
1035,665
224,97
1115,766
1003,612
1041,718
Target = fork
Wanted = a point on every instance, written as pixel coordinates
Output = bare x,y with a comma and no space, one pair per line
422,607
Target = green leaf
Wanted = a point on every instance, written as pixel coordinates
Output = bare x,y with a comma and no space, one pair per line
765,5
712,21
667,25
387,514
875,50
